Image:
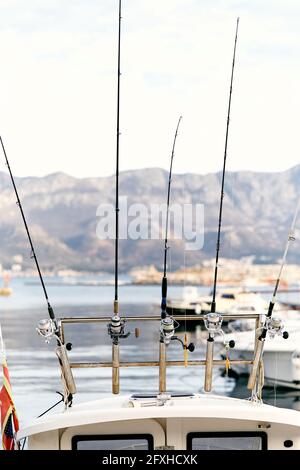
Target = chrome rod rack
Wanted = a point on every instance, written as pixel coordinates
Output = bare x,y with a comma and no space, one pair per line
115,364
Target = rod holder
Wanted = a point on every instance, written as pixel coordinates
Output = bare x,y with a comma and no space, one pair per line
255,366
115,369
162,367
209,364
66,370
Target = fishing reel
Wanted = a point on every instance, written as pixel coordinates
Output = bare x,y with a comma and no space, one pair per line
213,323
167,329
116,329
47,328
275,327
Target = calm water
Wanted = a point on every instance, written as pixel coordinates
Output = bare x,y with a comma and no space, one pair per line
33,365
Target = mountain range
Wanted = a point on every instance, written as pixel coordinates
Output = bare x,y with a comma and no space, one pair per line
61,212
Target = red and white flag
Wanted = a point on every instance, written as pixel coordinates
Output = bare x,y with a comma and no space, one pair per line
9,419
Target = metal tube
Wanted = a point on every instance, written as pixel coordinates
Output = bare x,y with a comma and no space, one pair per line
216,362
66,369
257,332
61,332
162,367
261,377
115,369
74,320
256,361
209,364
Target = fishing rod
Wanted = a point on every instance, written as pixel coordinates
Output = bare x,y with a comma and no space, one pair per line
167,327
273,325
164,285
47,328
213,320
117,209
33,254
213,304
116,327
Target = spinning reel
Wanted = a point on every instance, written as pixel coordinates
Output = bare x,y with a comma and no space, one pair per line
275,327
167,329
116,329
47,328
167,333
213,323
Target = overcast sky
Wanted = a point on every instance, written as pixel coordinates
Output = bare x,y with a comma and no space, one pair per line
58,84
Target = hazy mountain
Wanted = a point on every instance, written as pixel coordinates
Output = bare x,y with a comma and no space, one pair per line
61,212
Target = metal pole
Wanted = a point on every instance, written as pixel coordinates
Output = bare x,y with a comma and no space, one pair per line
162,367
96,365
209,364
115,369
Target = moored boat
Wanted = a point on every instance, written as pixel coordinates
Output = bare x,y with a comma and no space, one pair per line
229,300
281,358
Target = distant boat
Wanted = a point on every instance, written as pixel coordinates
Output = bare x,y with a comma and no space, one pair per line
5,290
229,301
189,302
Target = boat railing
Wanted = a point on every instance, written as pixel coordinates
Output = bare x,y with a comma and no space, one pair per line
163,363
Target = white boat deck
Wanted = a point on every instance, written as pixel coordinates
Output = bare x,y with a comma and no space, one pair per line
124,408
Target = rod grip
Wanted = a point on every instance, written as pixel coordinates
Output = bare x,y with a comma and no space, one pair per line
164,287
270,309
269,315
51,312
164,290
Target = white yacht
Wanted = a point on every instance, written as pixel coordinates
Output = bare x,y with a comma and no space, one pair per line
189,302
281,357
234,301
